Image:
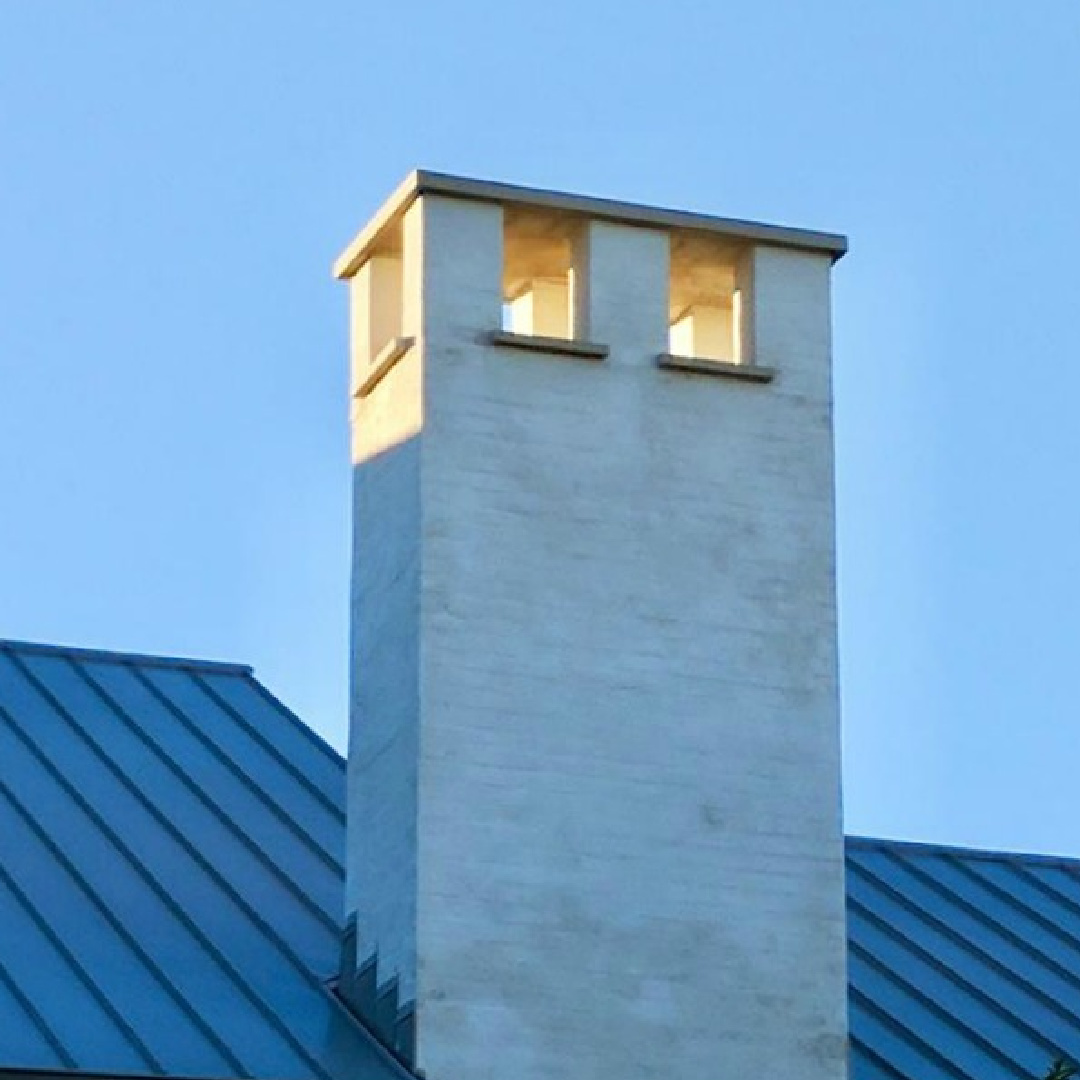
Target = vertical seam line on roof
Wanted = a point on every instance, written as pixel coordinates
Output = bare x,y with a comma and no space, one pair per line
916,909
37,1019
947,970
234,766
996,927
123,1027
1025,911
1003,894
242,984
72,961
966,1032
309,733
1051,889
1052,894
912,1038
201,796
879,1059
118,927
317,793
336,1003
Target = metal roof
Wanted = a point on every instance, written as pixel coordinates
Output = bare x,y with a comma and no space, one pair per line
171,880
171,875
963,965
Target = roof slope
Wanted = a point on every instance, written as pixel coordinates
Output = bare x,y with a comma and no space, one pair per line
171,874
171,843
962,964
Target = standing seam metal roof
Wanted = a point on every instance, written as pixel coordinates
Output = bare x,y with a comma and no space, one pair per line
171,881
962,964
171,874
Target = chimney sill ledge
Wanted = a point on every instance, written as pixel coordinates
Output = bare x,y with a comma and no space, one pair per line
583,350
384,360
726,369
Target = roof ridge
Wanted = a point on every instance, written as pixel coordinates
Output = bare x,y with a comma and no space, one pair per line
918,847
72,652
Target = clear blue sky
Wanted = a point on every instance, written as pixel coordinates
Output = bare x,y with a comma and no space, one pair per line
175,179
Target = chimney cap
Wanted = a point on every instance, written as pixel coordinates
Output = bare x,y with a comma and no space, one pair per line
424,182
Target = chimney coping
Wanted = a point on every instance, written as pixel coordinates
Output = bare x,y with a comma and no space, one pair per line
423,182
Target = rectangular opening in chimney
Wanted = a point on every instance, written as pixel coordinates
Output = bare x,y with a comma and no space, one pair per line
377,310
709,298
540,287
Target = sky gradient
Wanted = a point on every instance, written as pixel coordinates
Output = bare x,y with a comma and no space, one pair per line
176,179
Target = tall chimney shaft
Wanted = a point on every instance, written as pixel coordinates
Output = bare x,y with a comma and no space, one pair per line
594,766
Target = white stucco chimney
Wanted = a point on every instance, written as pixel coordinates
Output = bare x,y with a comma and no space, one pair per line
594,769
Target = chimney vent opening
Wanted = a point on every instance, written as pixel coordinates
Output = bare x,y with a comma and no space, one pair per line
708,300
377,307
541,291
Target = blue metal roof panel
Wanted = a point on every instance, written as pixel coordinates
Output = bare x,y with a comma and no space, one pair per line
171,880
170,875
963,965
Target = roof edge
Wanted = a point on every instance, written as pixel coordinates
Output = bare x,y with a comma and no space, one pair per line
917,847
109,656
425,182
294,718
31,1073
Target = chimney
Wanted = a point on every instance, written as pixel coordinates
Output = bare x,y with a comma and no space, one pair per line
594,761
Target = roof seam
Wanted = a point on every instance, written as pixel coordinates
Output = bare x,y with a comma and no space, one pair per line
996,927
1052,893
883,1063
1045,999
72,961
309,733
37,1018
234,766
979,916
148,962
949,1019
912,1038
949,972
140,868
202,797
1030,913
258,736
